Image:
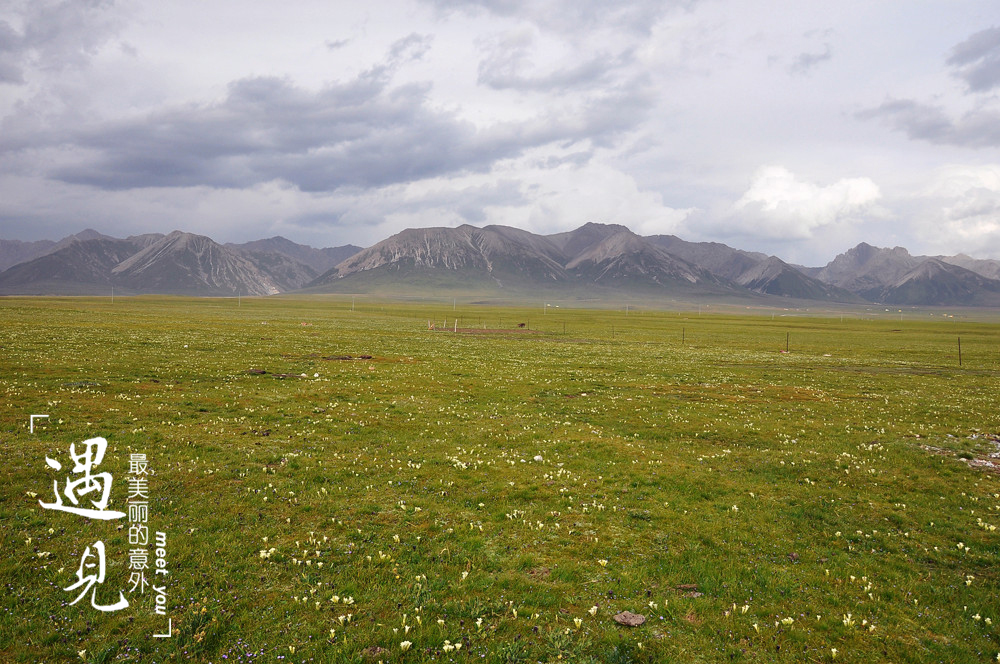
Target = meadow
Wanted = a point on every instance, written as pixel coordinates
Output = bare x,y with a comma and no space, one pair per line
336,482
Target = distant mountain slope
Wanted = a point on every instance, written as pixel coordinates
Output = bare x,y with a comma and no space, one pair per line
625,259
449,256
717,258
144,240
504,257
286,273
773,276
13,252
82,236
81,267
757,272
868,270
604,260
575,242
542,245
984,268
935,282
320,260
180,263
184,263
893,276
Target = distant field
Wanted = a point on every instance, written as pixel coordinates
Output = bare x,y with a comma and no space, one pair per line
339,483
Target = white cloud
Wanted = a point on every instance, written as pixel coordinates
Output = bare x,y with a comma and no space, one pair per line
780,205
566,197
966,204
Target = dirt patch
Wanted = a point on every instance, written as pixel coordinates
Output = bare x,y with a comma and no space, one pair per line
689,590
629,619
692,618
374,652
329,358
480,330
985,464
989,463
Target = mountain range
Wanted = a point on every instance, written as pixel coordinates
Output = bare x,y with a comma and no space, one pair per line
591,261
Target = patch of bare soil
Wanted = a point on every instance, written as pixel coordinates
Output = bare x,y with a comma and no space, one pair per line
488,331
629,619
989,462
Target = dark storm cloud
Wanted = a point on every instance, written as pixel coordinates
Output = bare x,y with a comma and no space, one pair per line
361,133
976,129
977,60
54,35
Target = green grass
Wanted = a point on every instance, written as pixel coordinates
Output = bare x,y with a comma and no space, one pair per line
728,485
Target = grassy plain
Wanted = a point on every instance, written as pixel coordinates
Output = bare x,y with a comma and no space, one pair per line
498,497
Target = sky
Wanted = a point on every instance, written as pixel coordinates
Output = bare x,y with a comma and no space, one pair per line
796,128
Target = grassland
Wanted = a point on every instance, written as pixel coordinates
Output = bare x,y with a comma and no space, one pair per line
498,497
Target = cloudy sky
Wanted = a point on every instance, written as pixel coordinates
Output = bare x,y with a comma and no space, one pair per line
793,127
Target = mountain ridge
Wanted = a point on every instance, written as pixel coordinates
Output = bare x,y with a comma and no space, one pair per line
89,263
595,257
